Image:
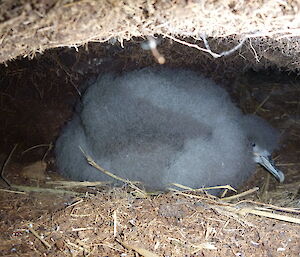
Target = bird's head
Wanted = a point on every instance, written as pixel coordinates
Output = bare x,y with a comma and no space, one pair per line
264,139
263,157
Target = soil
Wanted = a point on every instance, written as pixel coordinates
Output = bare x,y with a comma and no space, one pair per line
37,97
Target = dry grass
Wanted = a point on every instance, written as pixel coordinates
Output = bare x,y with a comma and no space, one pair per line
115,222
29,27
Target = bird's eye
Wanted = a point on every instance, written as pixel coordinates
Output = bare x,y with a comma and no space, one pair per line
253,144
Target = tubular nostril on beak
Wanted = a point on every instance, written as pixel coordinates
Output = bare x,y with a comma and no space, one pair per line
263,157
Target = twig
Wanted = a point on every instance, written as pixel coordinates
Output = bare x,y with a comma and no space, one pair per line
270,206
264,191
12,191
250,191
245,211
203,188
82,229
208,198
77,247
98,167
115,223
38,236
33,147
261,104
49,147
139,250
5,164
44,190
70,184
288,164
48,150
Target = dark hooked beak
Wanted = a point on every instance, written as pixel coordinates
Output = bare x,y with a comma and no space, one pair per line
268,164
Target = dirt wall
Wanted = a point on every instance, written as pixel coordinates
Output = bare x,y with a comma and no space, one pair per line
269,29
